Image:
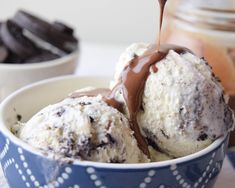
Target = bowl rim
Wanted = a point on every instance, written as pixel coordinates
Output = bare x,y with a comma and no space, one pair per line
43,64
8,134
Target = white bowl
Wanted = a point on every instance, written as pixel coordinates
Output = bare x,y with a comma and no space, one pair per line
14,76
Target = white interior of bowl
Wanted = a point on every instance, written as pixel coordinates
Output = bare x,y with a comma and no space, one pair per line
30,99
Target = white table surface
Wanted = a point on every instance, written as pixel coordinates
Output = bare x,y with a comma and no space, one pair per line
99,60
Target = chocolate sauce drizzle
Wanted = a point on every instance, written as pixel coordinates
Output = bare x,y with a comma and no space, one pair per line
133,78
132,83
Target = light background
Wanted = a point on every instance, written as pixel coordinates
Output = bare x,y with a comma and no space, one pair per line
100,21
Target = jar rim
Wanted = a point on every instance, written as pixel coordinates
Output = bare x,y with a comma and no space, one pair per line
217,5
206,18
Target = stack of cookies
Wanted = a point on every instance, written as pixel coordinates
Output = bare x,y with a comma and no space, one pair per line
26,38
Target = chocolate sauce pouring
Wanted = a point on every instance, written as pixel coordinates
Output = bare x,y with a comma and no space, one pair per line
132,83
162,4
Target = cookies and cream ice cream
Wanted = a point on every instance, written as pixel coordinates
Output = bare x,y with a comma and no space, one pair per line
183,106
82,128
164,103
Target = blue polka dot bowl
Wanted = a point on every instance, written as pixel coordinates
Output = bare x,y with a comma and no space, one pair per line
23,166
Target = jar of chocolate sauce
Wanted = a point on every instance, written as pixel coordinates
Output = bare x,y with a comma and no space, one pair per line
208,29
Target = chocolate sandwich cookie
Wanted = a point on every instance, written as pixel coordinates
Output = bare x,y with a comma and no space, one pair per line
14,39
42,56
46,31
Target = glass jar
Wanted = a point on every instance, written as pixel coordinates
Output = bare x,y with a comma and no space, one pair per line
208,29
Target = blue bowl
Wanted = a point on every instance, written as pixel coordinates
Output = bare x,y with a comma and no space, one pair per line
25,166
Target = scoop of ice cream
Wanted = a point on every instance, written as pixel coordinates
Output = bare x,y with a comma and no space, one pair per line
183,105
83,128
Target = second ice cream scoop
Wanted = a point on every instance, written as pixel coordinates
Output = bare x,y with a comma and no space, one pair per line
184,108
